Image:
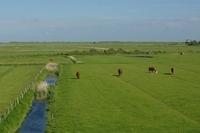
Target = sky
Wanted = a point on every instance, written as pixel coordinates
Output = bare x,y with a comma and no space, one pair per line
99,20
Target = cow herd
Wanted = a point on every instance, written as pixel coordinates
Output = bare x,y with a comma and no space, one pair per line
154,70
151,69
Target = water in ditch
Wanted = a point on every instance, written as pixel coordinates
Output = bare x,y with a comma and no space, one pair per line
35,122
51,79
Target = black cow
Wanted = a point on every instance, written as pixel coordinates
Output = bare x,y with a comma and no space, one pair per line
78,75
119,72
172,71
153,70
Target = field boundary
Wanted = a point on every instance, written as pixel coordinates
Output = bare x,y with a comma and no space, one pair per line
20,101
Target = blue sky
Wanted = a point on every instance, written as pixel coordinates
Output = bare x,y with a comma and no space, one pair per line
99,20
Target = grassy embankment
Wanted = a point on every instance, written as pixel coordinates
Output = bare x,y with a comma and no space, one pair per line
15,95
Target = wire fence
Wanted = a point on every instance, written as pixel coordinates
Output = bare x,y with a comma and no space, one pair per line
29,87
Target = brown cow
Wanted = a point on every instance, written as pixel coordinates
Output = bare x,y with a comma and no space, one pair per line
119,72
78,75
153,70
172,71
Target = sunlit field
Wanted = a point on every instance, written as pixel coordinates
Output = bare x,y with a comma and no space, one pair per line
101,101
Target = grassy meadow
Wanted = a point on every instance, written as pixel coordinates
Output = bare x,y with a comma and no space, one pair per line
136,102
13,81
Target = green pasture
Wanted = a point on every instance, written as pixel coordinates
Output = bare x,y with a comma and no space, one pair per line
136,102
12,81
32,60
23,49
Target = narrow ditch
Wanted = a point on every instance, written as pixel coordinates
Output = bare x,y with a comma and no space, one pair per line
35,121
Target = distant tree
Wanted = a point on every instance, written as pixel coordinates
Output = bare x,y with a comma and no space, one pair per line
192,43
187,42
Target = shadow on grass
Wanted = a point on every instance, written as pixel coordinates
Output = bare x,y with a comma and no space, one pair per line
116,75
167,74
73,78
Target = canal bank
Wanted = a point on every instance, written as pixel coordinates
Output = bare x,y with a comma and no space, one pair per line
35,121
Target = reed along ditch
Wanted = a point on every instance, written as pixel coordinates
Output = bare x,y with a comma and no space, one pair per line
35,121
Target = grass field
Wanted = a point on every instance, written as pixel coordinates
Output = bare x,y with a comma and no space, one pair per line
13,80
136,102
99,102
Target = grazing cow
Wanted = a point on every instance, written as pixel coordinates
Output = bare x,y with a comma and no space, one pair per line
119,72
153,70
78,75
172,71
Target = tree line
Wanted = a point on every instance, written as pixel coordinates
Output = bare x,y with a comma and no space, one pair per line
192,42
